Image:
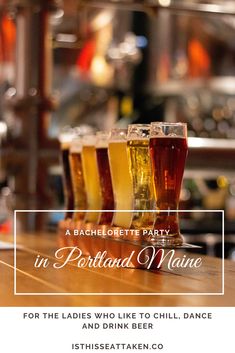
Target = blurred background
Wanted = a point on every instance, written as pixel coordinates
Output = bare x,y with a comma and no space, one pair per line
118,62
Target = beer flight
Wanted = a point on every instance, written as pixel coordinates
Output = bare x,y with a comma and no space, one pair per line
123,187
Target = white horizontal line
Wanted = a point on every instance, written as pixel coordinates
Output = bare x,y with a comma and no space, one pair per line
204,211
122,294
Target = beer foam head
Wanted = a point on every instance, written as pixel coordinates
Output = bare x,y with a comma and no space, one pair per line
102,139
102,144
138,131
76,145
89,140
65,145
118,135
65,137
168,129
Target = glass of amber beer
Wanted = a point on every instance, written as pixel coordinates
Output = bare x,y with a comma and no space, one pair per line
91,177
168,152
102,138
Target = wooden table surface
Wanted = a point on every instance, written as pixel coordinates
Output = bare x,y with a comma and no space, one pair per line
89,280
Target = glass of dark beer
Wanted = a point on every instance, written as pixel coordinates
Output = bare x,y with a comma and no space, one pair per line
65,138
77,177
168,152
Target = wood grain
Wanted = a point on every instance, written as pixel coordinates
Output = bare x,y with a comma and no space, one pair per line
105,280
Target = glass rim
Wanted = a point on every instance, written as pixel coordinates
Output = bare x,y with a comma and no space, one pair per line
166,123
103,133
121,129
138,125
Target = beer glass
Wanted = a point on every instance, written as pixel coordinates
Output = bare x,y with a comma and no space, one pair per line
107,200
65,139
139,162
77,177
91,177
168,152
121,178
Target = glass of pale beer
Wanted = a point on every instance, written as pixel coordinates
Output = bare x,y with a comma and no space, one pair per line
91,177
168,152
140,169
121,178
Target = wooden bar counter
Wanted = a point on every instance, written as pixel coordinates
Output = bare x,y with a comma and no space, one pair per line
102,281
